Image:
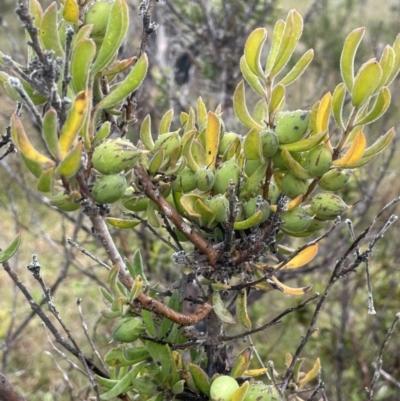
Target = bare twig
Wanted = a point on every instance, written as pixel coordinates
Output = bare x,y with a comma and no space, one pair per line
379,361
8,392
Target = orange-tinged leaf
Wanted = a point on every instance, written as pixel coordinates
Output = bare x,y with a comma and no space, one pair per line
324,112
354,153
241,111
252,50
366,82
212,139
304,257
291,290
23,144
74,122
347,57
312,374
71,11
69,166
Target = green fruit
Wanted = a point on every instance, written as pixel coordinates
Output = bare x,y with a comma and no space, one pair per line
293,186
279,162
319,160
114,155
109,188
273,193
220,206
291,126
204,179
269,142
168,142
185,181
295,220
228,171
316,225
334,179
97,15
256,204
226,140
258,391
222,388
327,206
128,329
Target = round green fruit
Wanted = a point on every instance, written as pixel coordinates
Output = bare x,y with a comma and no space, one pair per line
226,140
228,171
319,160
128,330
204,179
98,15
269,142
335,179
295,220
185,181
293,186
291,126
222,388
327,206
273,193
219,204
256,204
109,188
114,155
258,391
168,142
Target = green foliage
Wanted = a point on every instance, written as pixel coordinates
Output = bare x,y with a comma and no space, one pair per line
234,199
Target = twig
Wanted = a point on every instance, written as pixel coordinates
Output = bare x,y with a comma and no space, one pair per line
320,386
273,321
146,8
388,377
36,308
87,253
379,361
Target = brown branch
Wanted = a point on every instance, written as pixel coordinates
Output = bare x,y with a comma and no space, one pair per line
8,392
153,305
196,239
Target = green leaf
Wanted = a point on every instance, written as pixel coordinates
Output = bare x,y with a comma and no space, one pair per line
276,40
11,249
298,69
386,62
304,144
128,85
379,108
48,32
50,135
253,181
290,38
252,50
82,57
124,383
251,79
121,223
277,97
162,354
260,112
252,146
220,309
239,105
46,180
380,144
72,161
365,82
396,64
165,123
241,310
347,57
338,98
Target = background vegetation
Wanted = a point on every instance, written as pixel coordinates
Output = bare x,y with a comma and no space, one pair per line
188,59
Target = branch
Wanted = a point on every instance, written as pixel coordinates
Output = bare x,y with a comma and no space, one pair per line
196,239
8,392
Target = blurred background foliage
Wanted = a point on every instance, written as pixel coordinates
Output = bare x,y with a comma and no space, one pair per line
195,53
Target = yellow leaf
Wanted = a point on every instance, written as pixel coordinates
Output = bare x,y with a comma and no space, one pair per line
304,257
291,290
23,144
201,113
71,11
294,202
212,139
255,372
74,122
324,112
312,374
354,153
121,223
240,393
